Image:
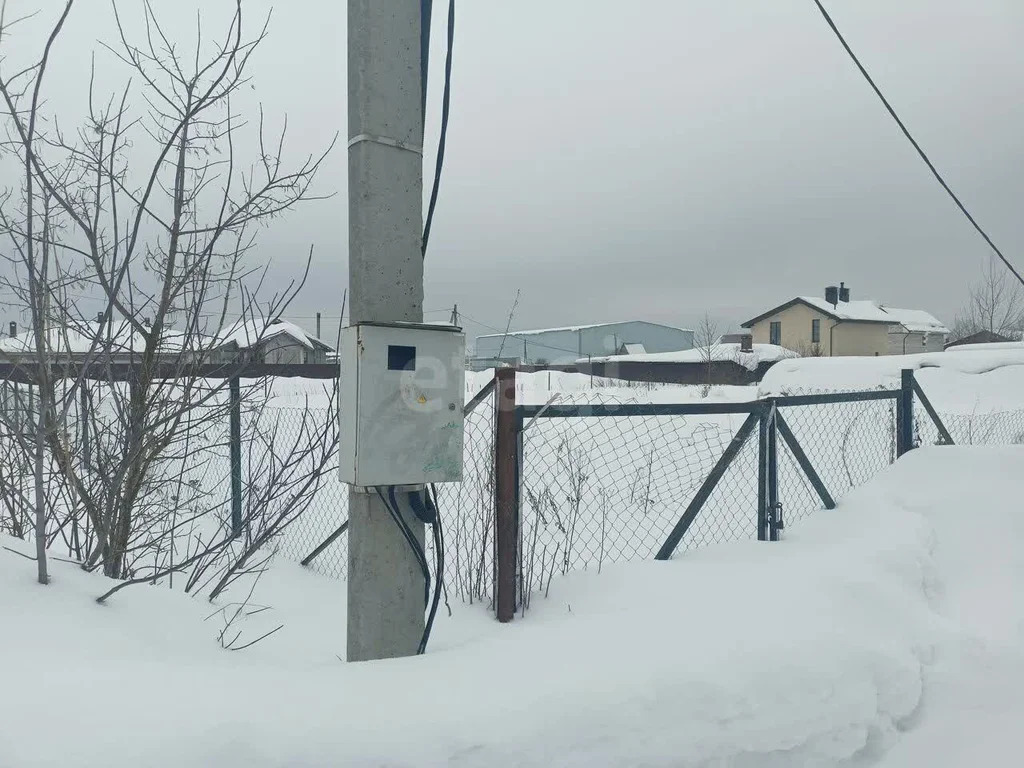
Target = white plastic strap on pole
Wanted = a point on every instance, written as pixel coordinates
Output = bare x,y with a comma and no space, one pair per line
386,141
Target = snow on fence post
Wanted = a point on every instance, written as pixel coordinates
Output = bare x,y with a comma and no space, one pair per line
905,413
235,419
506,493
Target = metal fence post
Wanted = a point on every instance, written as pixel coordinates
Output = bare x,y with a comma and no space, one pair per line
16,407
235,418
774,511
762,472
905,414
506,493
83,418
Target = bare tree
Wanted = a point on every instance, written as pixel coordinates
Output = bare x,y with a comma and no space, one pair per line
708,341
995,303
164,247
30,238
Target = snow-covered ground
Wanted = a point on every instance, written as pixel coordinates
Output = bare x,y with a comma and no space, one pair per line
961,379
886,632
721,352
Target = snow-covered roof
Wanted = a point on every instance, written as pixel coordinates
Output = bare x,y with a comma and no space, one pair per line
634,349
762,353
81,339
573,328
917,320
119,338
868,311
251,331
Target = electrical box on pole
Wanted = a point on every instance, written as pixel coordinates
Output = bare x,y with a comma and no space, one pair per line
400,402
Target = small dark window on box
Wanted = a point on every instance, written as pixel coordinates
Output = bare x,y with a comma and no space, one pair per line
401,358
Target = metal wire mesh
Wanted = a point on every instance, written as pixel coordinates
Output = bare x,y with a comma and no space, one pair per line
604,489
594,490
730,513
467,510
327,506
847,443
993,428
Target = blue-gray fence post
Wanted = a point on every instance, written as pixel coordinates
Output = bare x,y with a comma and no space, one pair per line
235,418
83,419
762,473
774,512
905,414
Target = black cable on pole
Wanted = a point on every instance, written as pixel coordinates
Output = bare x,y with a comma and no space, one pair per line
426,509
440,531
906,132
445,106
417,551
420,510
426,11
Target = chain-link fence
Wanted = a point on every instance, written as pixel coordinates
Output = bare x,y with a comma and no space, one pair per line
607,484
600,479
467,508
610,482
846,442
605,480
1003,427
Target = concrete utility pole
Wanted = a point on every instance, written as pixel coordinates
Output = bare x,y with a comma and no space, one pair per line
385,193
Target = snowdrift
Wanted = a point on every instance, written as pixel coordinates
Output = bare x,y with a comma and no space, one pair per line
978,378
809,652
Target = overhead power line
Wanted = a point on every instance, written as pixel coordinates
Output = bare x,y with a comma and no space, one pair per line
442,139
910,138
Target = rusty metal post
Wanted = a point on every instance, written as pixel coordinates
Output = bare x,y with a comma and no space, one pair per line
506,494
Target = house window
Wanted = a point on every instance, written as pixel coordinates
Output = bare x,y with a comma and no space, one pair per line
775,333
815,331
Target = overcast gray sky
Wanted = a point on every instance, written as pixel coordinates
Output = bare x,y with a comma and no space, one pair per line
662,158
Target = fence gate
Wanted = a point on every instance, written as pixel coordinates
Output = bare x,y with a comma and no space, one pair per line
580,485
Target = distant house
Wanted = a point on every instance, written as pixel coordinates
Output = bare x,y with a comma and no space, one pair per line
568,344
836,326
93,341
252,340
269,341
981,337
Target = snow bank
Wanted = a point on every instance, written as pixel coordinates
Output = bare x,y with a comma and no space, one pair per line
801,653
761,353
984,379
974,689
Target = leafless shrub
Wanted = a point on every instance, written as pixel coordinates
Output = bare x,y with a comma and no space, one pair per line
164,250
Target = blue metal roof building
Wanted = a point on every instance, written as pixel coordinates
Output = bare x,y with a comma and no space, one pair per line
571,343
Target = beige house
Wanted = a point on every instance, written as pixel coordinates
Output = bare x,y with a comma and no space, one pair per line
815,326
